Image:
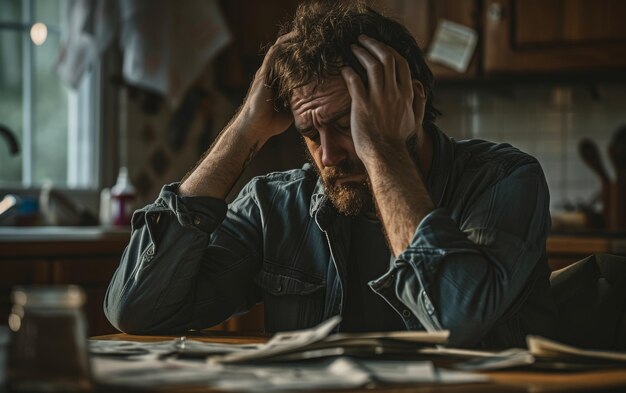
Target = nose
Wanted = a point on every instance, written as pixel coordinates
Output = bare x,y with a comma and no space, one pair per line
333,151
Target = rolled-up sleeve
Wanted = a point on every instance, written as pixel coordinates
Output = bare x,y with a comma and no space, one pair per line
176,273
462,273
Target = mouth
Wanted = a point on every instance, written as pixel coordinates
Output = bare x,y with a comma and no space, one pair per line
350,179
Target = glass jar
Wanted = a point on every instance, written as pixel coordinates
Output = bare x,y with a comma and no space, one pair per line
49,344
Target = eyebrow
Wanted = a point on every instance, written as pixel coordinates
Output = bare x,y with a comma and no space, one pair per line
332,118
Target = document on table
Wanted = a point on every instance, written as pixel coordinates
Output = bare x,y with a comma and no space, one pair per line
541,346
317,342
179,346
542,354
336,373
167,363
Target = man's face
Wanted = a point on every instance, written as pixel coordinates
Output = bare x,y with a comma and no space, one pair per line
322,115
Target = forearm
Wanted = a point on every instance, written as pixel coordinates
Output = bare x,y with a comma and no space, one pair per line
159,266
222,165
401,196
256,122
464,268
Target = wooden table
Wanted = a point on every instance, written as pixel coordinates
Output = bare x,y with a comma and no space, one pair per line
613,380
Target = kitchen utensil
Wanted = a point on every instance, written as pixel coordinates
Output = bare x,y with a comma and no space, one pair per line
617,154
590,154
617,151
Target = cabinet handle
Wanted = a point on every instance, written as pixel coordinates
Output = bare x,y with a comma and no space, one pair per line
495,12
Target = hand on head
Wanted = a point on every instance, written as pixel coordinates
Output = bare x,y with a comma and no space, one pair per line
390,109
258,112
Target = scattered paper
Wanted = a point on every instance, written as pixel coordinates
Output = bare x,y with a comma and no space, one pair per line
514,357
543,347
317,342
453,45
134,348
176,362
337,373
340,373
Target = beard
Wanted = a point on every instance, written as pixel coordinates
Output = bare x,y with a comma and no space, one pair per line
349,198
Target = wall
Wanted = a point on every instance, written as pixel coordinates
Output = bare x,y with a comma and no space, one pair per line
544,121
152,158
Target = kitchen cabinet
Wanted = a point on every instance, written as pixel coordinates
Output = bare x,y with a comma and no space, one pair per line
252,24
529,36
514,36
258,26
421,18
88,262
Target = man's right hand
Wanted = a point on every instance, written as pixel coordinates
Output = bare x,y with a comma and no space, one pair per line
258,113
255,123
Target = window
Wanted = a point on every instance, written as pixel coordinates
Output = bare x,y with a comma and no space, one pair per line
56,127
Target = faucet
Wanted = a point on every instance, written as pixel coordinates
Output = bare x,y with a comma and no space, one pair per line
10,138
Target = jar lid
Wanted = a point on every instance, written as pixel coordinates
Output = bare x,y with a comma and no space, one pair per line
65,296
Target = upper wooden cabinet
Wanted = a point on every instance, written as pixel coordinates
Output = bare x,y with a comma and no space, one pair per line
253,24
421,18
514,36
553,35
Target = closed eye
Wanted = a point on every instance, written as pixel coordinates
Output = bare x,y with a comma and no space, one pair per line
311,134
345,130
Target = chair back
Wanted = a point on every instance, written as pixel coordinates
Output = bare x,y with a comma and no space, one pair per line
591,298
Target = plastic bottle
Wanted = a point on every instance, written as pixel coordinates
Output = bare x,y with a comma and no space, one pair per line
122,197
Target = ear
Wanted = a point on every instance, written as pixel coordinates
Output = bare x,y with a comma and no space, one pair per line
419,101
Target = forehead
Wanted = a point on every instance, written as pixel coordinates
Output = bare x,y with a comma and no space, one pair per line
322,100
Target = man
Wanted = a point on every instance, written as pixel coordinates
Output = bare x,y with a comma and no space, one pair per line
393,226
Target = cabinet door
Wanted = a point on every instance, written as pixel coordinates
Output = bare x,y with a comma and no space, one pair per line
553,35
253,24
421,18
19,272
93,275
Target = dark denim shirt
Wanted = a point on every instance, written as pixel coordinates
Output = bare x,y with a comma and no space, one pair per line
476,265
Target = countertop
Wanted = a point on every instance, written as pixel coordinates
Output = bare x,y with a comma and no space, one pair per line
65,241
33,241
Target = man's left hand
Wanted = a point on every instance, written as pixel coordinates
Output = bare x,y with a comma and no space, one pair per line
391,108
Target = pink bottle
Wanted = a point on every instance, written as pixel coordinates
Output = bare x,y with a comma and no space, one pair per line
122,198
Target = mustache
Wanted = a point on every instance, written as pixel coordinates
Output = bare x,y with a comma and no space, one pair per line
343,169
331,174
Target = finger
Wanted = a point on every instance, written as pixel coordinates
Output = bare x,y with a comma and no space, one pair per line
285,37
373,68
403,71
419,101
384,54
354,83
280,41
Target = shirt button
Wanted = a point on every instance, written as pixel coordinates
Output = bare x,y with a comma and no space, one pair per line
150,250
197,220
406,313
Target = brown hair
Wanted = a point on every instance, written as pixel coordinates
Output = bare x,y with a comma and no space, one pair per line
323,32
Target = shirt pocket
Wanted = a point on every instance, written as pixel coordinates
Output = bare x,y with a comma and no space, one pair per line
290,302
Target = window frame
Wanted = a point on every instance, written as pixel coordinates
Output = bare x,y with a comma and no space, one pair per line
85,151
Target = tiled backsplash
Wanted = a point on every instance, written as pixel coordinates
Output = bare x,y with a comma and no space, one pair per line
544,121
